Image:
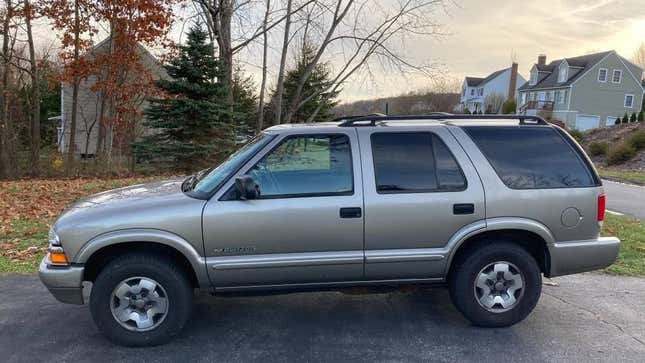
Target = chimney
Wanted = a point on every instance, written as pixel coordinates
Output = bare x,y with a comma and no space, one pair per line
541,60
513,82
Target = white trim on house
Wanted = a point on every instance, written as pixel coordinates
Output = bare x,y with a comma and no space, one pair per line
629,70
606,75
620,76
591,67
631,103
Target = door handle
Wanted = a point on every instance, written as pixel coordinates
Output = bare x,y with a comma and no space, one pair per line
466,208
354,212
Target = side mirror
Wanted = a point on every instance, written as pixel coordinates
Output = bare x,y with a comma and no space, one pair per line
247,187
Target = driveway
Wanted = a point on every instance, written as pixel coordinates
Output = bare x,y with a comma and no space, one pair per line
589,317
625,198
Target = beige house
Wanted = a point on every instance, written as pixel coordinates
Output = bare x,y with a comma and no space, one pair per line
89,106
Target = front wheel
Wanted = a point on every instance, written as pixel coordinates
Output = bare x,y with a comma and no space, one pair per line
141,300
495,284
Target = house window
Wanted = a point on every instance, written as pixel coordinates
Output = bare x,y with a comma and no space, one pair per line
617,76
463,92
549,96
534,77
562,96
481,91
602,75
523,98
472,92
629,101
562,75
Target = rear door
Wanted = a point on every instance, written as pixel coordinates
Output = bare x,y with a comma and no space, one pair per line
420,190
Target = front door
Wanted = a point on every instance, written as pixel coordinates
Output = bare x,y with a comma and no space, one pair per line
307,224
420,190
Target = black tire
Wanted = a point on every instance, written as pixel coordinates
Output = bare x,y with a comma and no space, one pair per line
466,270
159,268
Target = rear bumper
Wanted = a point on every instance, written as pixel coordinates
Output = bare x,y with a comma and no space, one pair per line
579,256
65,283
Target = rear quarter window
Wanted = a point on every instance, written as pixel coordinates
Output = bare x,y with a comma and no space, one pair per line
530,157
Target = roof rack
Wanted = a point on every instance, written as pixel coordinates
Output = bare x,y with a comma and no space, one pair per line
438,116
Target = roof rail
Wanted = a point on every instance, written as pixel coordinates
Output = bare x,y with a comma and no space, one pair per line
438,116
348,118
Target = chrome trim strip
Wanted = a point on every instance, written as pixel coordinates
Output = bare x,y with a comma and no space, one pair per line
315,285
405,255
285,260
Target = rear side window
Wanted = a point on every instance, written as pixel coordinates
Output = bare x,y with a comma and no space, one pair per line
414,162
532,157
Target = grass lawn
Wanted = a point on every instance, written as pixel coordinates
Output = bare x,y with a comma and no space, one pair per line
28,207
627,176
632,248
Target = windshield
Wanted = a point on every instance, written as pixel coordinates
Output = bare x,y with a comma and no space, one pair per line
212,178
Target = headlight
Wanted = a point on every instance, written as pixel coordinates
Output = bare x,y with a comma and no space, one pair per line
54,240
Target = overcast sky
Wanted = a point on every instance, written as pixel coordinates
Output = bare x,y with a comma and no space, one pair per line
483,36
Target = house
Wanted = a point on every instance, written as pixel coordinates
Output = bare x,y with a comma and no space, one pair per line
89,106
583,92
487,94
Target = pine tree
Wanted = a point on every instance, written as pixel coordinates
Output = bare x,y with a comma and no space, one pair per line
641,115
618,121
633,117
626,118
191,124
319,83
245,104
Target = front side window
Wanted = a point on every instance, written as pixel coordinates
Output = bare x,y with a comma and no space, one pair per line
531,157
306,165
414,162
472,92
533,79
629,101
617,76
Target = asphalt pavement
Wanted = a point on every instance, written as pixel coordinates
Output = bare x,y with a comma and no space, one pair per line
625,198
588,317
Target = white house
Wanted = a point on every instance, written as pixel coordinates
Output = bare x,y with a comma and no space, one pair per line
486,94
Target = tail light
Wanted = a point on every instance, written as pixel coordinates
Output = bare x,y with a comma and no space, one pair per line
601,207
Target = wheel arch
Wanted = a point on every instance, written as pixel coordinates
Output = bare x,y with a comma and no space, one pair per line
101,249
532,235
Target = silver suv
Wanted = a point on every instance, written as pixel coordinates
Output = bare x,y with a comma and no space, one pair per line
485,204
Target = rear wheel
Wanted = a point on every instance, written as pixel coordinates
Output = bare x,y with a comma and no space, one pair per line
496,284
141,300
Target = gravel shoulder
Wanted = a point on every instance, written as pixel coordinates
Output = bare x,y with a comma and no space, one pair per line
588,317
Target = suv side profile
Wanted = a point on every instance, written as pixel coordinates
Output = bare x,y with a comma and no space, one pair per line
486,204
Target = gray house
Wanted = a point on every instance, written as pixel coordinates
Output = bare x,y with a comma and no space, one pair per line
90,103
583,92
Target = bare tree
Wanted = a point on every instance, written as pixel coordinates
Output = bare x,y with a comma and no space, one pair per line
283,60
5,123
35,90
365,33
493,102
639,55
265,46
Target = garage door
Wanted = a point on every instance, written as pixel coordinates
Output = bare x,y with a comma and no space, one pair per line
584,122
611,121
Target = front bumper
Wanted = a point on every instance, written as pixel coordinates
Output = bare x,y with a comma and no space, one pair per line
65,283
579,256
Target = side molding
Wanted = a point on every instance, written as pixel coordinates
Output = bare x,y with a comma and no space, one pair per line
147,235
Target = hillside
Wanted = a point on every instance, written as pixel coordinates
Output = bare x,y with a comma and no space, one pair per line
408,104
614,137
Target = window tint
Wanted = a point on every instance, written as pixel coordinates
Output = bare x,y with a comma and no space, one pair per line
531,157
414,162
306,165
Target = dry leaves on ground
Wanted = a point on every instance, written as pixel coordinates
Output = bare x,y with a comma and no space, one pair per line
43,199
